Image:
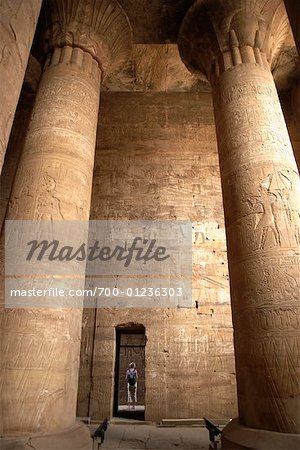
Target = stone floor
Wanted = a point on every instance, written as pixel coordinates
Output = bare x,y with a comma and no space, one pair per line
129,436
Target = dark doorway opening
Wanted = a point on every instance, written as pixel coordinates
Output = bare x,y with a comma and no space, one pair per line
130,347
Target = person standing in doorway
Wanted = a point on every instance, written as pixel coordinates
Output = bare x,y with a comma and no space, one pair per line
131,378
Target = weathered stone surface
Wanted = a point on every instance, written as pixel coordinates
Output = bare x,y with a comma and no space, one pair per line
99,27
76,437
18,134
140,436
286,67
53,182
18,20
261,199
216,38
177,342
14,149
239,437
58,155
261,189
156,159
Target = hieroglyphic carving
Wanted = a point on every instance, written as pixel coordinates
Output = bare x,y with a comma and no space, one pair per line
248,118
53,182
134,151
266,213
18,20
261,198
261,190
48,204
70,109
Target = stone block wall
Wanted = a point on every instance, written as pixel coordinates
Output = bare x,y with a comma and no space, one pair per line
157,158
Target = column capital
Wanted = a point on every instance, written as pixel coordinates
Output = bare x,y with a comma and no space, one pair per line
99,27
217,35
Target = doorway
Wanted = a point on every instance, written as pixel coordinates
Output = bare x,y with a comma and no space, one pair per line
130,347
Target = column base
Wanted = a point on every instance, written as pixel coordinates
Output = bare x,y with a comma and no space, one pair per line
235,436
76,438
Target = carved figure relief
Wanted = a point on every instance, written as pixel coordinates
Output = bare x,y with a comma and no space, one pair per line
279,284
267,225
48,204
277,222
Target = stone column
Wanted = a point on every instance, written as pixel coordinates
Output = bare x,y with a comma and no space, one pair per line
40,347
18,20
18,134
234,43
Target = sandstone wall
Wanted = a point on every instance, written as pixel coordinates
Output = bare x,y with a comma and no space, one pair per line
156,158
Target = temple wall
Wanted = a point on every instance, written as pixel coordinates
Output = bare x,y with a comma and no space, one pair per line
156,151
156,158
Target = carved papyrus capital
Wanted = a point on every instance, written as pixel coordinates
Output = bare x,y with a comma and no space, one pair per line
216,35
99,27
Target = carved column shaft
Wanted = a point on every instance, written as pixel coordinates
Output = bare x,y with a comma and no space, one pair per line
53,182
261,192
234,46
60,143
18,21
41,347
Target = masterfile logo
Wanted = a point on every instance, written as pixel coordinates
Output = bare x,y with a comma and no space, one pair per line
140,249
98,263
